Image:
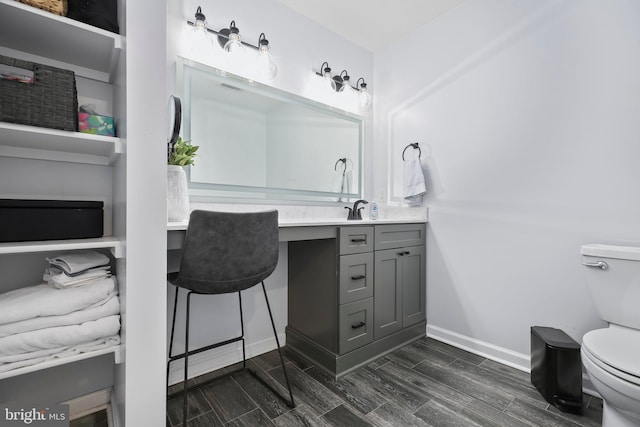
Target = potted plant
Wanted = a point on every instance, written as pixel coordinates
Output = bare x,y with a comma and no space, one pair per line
180,154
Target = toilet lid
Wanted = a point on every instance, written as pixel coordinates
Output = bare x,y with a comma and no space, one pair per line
616,347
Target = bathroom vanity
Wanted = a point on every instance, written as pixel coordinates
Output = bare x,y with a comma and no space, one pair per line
356,289
356,295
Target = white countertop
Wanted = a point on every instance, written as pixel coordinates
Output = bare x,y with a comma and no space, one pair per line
314,222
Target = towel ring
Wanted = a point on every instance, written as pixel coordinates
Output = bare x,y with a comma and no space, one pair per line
342,160
414,145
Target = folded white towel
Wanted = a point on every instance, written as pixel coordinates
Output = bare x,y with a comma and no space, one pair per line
28,359
59,279
43,300
107,307
413,183
78,261
59,336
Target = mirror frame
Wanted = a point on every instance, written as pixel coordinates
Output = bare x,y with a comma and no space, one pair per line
242,193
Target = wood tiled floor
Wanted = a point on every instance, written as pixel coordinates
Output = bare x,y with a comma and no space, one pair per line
427,383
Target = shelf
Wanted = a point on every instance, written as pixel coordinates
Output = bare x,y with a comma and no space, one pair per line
116,350
32,142
35,35
117,246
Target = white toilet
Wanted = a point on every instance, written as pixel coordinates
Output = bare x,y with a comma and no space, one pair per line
611,356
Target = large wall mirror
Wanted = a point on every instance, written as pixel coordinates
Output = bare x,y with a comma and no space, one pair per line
257,141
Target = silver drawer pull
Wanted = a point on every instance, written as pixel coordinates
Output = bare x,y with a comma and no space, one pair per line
358,325
600,264
359,277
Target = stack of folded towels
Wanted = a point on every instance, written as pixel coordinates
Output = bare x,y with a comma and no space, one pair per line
75,312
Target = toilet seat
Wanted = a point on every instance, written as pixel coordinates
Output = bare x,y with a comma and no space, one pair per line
615,350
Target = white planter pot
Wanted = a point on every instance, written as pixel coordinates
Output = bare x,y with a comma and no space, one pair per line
177,194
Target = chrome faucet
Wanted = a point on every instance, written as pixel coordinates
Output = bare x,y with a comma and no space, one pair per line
354,213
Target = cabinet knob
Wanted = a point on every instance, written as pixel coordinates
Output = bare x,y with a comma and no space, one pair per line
358,325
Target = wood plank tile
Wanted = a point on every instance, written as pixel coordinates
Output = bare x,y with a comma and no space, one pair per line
393,388
251,419
480,390
270,403
454,351
196,406
487,415
539,417
354,389
415,353
306,389
301,415
517,388
228,399
210,419
435,414
392,415
344,416
430,388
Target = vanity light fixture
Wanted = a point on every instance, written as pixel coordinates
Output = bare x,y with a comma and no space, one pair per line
341,83
229,39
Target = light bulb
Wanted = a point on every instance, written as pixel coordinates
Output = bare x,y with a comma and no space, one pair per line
233,45
364,98
328,80
267,67
201,41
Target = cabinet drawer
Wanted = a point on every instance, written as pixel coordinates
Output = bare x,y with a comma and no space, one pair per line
355,240
356,325
356,277
400,235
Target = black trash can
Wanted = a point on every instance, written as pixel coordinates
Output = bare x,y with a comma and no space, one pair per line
556,368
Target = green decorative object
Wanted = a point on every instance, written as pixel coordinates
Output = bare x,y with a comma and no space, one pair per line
182,153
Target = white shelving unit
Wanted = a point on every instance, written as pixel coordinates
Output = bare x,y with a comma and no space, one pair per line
34,35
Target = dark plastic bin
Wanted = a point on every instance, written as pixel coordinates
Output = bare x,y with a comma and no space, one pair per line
32,220
556,368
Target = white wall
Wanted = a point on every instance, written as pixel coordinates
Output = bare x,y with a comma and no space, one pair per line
527,114
300,47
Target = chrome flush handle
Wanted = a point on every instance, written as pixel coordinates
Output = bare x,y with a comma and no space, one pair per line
600,264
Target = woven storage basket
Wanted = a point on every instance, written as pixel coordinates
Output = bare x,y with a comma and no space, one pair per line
50,102
59,7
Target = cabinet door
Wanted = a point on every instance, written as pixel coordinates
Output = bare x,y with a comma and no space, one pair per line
413,285
387,313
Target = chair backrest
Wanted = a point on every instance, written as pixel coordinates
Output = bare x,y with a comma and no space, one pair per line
228,251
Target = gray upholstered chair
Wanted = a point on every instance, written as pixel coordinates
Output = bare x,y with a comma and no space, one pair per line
226,253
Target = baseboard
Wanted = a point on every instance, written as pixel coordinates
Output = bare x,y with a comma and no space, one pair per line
490,351
89,403
212,360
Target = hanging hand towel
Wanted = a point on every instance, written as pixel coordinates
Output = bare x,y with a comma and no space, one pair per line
413,182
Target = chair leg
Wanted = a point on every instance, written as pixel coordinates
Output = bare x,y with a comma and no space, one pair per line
186,363
275,334
244,353
173,327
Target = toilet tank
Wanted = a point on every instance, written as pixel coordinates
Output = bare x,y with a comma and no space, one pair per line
613,277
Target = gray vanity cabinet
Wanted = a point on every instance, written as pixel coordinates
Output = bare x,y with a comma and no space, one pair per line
356,296
399,289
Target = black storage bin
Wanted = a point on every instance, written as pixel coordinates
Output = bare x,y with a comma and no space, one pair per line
32,220
556,368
